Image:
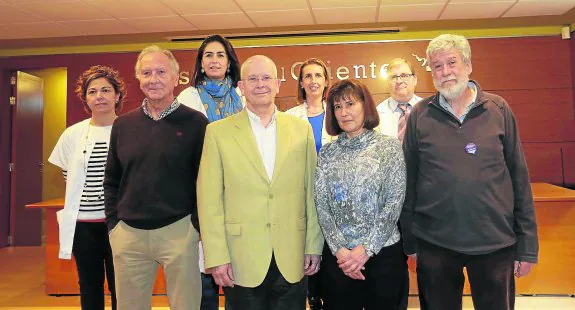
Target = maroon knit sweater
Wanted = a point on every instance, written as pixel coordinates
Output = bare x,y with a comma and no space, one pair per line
152,167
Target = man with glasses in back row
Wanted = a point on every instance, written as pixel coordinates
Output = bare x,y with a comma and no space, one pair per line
394,111
255,199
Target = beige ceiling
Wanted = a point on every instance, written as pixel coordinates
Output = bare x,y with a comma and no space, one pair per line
38,23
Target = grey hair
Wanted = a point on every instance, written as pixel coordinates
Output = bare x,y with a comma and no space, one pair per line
447,42
156,49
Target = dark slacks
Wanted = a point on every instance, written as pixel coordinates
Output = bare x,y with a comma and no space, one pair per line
314,290
314,285
405,295
440,278
210,293
93,256
383,288
275,293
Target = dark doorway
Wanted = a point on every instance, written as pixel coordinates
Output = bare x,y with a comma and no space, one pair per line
26,159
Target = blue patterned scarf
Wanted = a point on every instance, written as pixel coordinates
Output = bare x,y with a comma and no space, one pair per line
220,99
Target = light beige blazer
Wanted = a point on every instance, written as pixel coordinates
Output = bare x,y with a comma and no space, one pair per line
244,217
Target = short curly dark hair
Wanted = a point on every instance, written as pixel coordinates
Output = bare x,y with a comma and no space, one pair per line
97,72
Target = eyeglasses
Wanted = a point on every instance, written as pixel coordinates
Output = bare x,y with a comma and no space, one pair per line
253,80
401,77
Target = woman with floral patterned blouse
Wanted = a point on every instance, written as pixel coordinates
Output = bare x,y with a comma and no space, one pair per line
359,192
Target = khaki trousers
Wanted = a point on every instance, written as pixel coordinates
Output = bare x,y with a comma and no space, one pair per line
138,252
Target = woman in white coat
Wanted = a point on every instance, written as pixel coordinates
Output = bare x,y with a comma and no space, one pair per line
81,153
313,84
214,92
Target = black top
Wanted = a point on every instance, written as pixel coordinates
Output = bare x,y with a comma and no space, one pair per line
152,167
468,187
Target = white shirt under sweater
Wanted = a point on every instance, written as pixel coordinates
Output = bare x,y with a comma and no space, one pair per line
92,200
266,138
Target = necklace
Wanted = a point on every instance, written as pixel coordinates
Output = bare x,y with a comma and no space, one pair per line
86,162
316,112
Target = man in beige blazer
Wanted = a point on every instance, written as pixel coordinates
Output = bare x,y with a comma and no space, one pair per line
255,197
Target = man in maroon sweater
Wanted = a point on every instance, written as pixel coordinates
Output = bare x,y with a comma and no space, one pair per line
150,190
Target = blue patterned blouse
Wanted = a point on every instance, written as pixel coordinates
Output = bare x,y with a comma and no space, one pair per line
359,191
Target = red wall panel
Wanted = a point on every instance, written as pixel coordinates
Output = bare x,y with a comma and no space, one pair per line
568,153
534,74
544,163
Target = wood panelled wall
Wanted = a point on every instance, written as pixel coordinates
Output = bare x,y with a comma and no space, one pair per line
534,74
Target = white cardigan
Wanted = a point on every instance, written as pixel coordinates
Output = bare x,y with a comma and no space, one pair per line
300,111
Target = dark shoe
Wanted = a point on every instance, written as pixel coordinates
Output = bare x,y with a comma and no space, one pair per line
315,303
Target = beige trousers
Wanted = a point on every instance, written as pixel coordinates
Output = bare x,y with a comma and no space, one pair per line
138,252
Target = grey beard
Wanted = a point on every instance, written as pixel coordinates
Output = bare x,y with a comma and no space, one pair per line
454,92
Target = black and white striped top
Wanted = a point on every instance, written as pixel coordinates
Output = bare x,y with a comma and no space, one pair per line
93,195
92,200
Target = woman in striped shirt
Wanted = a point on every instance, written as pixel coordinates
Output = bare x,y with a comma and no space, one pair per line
81,152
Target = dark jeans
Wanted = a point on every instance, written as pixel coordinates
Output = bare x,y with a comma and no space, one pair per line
93,256
275,293
383,288
210,293
440,278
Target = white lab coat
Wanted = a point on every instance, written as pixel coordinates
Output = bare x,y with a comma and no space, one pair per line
69,155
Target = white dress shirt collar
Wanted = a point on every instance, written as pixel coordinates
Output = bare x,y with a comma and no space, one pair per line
255,118
266,139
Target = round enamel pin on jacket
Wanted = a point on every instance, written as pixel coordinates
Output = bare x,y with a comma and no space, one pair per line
471,148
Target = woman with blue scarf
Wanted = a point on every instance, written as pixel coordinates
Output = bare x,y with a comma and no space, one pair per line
214,92
214,89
